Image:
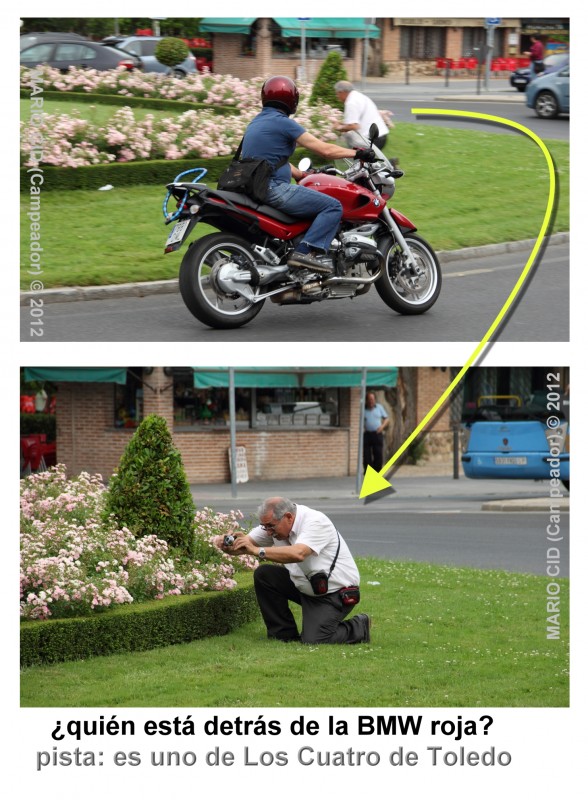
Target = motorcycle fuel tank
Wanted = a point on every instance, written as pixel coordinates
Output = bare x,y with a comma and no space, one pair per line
358,203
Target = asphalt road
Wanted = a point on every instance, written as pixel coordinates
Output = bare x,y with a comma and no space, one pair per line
501,100
434,519
474,289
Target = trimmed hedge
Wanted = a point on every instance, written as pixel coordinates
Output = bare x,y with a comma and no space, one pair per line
128,173
154,103
132,173
158,623
38,423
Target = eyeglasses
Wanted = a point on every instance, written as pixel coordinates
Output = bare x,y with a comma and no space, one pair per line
272,525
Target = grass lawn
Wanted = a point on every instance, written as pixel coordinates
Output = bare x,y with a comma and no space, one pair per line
442,636
462,188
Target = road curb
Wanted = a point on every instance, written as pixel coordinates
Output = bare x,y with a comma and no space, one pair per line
529,504
72,294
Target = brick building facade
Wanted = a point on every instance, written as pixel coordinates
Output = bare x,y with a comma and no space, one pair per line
88,440
256,49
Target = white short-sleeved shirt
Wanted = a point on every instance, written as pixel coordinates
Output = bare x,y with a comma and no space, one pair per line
360,110
314,529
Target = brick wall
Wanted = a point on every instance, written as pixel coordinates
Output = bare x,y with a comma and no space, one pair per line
88,441
431,383
229,58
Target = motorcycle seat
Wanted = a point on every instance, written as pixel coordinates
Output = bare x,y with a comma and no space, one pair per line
261,208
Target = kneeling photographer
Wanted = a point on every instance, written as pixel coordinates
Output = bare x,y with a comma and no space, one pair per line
320,575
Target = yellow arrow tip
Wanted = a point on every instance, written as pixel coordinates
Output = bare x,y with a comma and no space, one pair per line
373,482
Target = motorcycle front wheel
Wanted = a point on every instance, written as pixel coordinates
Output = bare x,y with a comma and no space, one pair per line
404,289
201,286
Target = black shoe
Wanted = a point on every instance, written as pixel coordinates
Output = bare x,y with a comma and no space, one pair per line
367,621
314,262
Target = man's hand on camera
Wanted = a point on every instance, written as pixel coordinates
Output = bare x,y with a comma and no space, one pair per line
242,544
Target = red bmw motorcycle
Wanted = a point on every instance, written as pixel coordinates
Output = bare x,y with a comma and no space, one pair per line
226,277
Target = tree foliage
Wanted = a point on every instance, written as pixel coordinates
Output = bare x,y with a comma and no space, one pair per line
323,90
150,494
99,27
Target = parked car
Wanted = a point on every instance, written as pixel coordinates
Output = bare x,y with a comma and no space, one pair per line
549,95
521,77
66,53
144,48
517,441
27,39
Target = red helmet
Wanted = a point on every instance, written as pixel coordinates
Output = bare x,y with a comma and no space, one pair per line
280,92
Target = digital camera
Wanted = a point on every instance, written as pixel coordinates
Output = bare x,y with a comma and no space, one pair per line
229,540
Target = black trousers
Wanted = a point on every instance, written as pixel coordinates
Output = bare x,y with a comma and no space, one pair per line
322,616
373,450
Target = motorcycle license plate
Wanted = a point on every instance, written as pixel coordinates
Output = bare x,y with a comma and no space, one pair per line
178,232
519,461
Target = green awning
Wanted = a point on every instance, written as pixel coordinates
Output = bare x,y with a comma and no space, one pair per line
315,27
77,374
292,377
226,24
329,27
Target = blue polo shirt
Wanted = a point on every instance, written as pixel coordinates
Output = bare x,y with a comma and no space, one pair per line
272,135
373,417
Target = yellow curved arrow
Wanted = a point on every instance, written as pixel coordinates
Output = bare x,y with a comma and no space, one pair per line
375,481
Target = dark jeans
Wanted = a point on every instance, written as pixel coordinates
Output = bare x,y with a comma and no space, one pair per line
373,450
322,616
304,203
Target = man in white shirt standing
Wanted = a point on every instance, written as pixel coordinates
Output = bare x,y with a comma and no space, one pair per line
359,113
320,575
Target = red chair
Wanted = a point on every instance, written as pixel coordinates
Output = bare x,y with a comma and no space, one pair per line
441,64
511,64
471,64
35,452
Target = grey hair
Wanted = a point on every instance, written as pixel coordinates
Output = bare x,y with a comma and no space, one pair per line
277,506
343,86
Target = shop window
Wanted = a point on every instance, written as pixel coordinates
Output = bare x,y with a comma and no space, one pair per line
259,408
128,400
296,408
422,42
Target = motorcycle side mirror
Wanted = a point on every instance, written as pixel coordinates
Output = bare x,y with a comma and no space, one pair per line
373,132
304,164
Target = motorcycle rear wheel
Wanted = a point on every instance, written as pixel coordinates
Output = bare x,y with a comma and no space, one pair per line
203,296
401,291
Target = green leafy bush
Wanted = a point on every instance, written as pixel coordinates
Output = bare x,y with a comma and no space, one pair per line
143,627
332,71
171,51
149,494
38,423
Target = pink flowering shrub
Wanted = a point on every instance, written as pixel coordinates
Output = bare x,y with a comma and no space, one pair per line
73,563
70,141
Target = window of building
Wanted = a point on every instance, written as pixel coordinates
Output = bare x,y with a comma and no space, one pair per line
474,42
128,400
422,42
258,408
296,407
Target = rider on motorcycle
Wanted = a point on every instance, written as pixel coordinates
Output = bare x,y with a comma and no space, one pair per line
272,136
